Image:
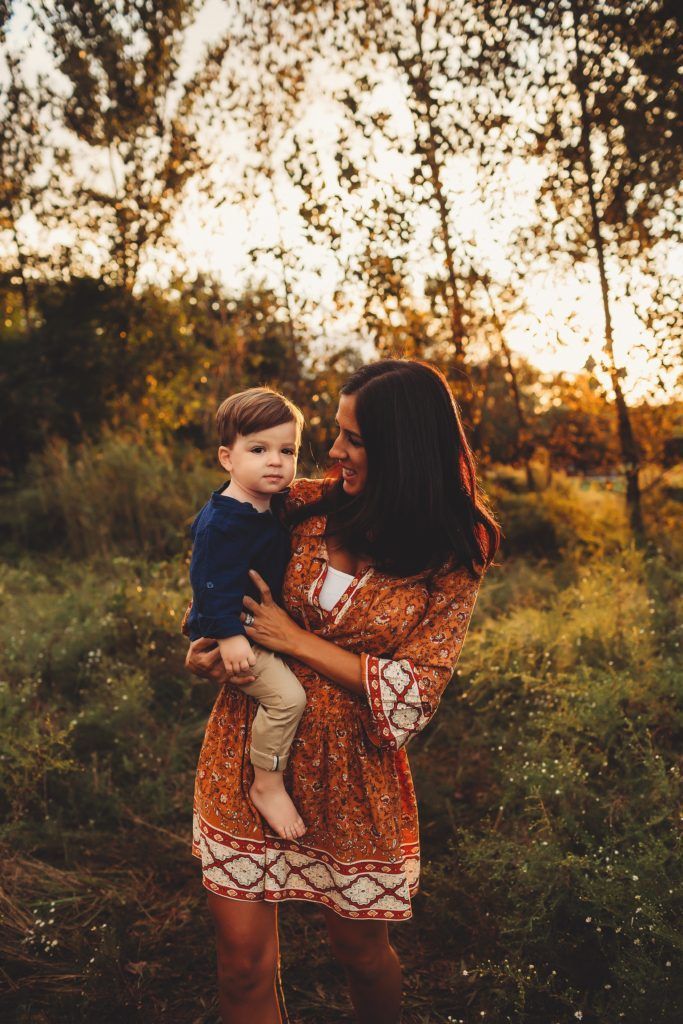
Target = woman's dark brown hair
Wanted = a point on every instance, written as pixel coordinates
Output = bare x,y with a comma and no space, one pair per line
421,504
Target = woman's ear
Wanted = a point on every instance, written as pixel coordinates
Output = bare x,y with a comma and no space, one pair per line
224,457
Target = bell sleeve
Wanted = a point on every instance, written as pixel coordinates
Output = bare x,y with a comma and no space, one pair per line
403,691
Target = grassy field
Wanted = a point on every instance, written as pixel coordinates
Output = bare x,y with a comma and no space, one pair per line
549,783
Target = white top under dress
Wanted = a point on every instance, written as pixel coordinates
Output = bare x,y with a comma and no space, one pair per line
334,585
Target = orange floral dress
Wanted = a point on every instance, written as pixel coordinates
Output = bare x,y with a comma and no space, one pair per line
348,771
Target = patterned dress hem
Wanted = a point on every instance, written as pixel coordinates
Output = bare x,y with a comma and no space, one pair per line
277,870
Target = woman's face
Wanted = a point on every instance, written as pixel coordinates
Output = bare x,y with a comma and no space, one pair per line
348,449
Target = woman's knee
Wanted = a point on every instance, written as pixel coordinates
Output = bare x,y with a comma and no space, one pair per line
246,949
244,973
366,959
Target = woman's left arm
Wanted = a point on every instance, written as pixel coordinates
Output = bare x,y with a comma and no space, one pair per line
275,629
404,690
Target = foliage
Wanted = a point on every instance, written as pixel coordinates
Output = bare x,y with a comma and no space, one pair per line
562,739
568,520
125,97
156,362
105,676
126,494
28,116
548,787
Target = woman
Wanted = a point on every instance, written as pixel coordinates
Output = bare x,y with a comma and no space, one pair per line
387,558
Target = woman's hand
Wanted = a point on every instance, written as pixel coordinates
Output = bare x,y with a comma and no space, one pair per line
204,659
271,627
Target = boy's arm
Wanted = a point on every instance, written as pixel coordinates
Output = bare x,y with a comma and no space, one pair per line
219,576
237,654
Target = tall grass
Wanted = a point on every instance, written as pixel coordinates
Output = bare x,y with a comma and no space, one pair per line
557,791
124,494
549,782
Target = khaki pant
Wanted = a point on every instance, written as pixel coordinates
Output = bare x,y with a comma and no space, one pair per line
282,702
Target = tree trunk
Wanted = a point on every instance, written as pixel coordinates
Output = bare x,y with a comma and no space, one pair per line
629,447
524,434
24,285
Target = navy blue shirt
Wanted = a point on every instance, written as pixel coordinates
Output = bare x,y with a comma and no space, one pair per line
231,537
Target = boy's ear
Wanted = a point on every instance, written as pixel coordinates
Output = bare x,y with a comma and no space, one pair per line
225,459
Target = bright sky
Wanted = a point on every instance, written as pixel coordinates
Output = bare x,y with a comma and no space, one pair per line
564,323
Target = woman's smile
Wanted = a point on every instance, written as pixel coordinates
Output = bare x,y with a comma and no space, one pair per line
348,449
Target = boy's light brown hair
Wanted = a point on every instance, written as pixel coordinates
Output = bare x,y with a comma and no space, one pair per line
255,409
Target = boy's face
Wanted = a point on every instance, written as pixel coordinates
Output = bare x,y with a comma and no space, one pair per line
263,462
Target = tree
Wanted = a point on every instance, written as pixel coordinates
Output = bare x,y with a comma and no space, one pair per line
26,116
413,113
606,101
256,112
19,155
629,448
131,115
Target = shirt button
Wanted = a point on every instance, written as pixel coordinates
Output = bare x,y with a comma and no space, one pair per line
210,585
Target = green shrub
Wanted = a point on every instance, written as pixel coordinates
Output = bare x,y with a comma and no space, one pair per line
124,494
507,478
561,521
553,778
94,692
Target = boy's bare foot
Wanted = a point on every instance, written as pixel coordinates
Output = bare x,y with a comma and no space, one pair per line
271,799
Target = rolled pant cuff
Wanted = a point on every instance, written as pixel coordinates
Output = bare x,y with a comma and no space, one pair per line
269,762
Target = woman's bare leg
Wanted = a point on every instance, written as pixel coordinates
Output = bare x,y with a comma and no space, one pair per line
373,969
247,956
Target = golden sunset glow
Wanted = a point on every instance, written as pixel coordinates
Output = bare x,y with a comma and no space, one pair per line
560,322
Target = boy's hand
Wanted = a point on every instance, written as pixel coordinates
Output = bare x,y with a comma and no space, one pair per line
237,654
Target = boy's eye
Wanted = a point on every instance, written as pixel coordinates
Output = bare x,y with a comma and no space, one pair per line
257,450
288,451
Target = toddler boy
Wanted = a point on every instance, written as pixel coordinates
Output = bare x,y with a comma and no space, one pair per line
260,434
